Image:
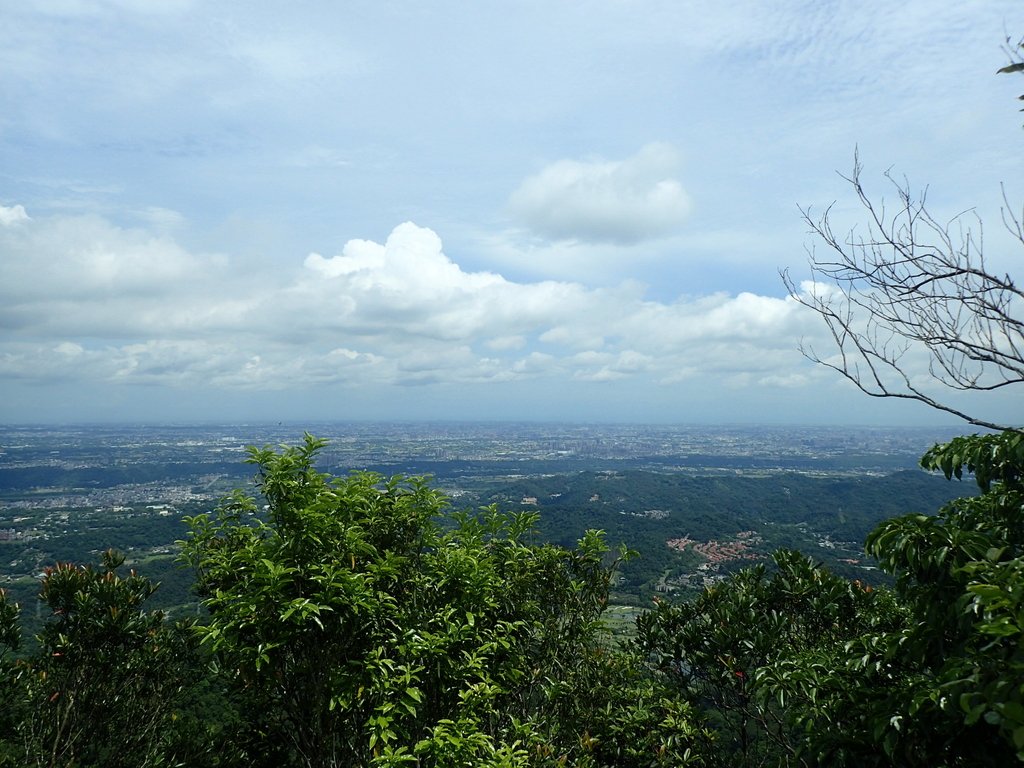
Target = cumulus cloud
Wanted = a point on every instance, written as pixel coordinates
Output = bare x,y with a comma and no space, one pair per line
81,276
86,300
622,202
86,256
13,215
410,263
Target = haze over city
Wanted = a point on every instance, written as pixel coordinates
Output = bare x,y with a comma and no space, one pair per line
530,211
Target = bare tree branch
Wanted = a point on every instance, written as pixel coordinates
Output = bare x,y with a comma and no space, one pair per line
909,282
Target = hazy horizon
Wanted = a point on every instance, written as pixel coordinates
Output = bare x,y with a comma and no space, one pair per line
485,423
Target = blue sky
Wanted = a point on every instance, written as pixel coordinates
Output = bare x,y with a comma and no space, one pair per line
519,210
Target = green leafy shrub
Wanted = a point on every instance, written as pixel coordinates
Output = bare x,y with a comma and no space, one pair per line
366,633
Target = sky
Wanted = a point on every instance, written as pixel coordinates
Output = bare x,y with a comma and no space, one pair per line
553,211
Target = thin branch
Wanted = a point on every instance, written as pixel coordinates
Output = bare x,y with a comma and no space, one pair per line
911,282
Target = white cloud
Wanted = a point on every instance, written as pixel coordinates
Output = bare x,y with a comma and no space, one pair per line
13,215
578,335
81,277
87,299
500,343
598,366
408,285
408,266
535,363
622,202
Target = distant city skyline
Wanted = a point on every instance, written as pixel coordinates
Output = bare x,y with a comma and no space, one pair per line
549,212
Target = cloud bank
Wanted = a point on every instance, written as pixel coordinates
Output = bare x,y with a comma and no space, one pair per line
86,300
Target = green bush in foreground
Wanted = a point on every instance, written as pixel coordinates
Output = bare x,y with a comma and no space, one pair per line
372,635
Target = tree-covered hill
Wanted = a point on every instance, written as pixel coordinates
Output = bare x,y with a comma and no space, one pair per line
645,510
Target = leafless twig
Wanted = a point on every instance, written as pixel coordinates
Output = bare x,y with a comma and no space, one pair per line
906,282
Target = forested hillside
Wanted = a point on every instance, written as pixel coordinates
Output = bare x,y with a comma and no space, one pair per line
827,517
